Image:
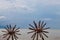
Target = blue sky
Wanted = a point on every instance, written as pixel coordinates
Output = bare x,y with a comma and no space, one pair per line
23,12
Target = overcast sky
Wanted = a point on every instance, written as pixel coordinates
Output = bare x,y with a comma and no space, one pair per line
23,12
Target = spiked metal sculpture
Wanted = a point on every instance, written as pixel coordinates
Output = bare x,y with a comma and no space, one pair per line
11,32
38,30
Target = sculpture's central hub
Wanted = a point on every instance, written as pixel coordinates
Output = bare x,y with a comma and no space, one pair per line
11,32
38,30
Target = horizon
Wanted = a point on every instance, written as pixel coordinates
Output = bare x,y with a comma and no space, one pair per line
24,12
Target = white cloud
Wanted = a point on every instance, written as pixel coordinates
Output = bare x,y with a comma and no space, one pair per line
2,17
5,5
8,4
26,4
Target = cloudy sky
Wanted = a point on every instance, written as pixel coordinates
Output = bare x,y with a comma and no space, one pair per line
23,12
